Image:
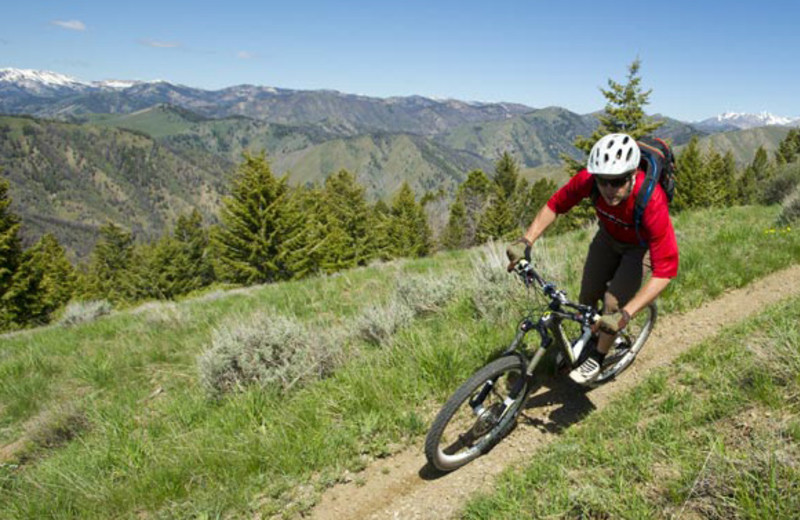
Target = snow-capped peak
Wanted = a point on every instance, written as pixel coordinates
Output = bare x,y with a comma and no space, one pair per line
116,83
743,120
52,79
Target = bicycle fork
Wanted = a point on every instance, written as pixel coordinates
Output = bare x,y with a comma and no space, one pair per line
476,403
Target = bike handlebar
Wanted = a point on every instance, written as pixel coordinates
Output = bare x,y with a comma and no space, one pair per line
529,275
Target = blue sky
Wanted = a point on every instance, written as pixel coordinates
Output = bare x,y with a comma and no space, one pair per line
700,58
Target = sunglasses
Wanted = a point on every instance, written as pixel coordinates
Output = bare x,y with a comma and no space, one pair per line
615,182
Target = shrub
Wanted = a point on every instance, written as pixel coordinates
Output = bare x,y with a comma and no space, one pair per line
266,350
791,210
426,294
377,324
784,182
82,312
493,291
56,427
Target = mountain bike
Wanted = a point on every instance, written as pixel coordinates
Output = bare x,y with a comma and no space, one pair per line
484,409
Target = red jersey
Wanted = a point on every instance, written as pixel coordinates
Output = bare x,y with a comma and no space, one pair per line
656,227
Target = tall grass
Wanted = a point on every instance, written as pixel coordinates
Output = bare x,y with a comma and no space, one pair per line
151,442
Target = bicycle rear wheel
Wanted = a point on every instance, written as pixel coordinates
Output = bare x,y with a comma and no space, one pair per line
628,344
478,415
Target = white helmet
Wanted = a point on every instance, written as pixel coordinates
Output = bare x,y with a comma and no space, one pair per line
614,154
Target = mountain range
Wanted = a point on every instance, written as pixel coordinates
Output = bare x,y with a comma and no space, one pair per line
137,153
742,121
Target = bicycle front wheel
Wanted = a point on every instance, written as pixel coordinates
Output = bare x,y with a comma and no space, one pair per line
628,345
478,415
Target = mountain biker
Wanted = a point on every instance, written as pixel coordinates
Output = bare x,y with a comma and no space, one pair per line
614,266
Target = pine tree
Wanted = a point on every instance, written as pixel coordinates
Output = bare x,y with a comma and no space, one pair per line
109,274
530,200
691,179
177,264
195,264
253,222
725,180
43,282
382,217
755,177
789,149
623,113
497,222
308,245
506,175
10,254
473,194
454,233
347,215
409,233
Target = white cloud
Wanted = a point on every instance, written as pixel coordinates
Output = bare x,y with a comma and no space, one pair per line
72,25
160,44
245,55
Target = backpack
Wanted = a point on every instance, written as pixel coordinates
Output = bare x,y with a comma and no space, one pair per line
658,164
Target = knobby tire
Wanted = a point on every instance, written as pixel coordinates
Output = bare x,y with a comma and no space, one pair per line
447,454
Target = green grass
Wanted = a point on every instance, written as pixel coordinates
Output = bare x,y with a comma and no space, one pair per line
713,436
137,435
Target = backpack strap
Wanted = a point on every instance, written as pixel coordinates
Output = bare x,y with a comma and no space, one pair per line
645,193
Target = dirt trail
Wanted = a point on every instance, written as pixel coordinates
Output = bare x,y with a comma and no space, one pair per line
403,487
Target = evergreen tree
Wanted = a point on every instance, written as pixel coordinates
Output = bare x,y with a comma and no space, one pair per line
109,266
43,282
382,217
789,149
253,224
623,113
193,253
531,199
755,176
691,179
10,254
714,191
177,264
725,180
497,222
473,194
348,218
453,237
307,249
409,234
506,175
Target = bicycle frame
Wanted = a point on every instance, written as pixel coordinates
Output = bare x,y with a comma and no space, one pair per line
550,330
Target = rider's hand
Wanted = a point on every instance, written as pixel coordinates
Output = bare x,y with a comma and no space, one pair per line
613,323
518,250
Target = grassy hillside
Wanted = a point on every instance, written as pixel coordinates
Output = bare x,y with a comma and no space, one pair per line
113,419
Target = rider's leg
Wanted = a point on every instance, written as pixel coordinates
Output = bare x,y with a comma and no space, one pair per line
602,262
622,287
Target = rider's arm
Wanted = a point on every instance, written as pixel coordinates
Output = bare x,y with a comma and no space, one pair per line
646,294
578,188
542,221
